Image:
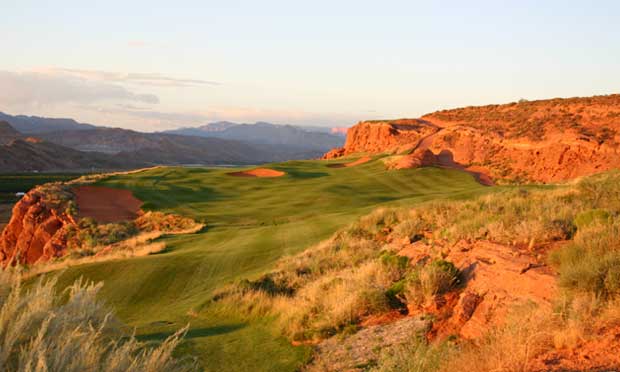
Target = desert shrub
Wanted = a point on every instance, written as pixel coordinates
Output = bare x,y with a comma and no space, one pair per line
590,217
591,263
44,331
411,227
427,281
601,191
89,234
158,221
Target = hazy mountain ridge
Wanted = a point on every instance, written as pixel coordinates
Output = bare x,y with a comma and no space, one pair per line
35,124
75,146
308,137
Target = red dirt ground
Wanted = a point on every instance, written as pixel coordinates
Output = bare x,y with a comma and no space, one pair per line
258,172
359,161
106,205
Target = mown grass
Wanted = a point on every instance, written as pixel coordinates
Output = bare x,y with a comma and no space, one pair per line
12,183
251,223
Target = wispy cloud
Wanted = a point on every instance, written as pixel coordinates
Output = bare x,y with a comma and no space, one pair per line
151,79
161,118
23,89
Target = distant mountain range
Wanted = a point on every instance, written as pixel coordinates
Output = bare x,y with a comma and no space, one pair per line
34,124
306,138
42,144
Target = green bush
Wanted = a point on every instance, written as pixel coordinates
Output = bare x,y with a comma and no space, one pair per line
591,217
591,263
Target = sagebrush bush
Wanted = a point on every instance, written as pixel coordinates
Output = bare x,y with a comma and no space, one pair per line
591,263
427,281
41,330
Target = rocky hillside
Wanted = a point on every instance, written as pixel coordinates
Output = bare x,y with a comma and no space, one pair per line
38,226
542,141
19,153
158,148
7,133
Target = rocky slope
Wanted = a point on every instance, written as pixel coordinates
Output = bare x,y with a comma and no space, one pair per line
7,133
19,153
542,141
38,227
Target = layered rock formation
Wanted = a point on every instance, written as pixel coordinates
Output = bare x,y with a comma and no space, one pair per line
541,141
38,227
381,136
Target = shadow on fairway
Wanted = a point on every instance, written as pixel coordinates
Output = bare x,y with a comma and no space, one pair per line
194,333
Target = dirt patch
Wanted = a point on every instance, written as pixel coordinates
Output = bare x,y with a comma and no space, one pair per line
359,161
258,172
105,204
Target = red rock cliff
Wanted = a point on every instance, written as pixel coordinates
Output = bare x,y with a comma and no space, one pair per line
37,229
542,141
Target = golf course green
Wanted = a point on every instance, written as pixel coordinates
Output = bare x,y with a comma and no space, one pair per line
251,223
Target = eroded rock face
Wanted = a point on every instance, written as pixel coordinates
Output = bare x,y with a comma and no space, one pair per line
541,141
37,230
381,136
497,279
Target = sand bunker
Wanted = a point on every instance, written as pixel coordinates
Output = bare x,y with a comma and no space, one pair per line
106,205
359,161
258,172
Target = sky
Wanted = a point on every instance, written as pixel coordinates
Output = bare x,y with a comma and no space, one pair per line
155,65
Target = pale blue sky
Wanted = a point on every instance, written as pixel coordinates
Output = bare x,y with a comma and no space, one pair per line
152,65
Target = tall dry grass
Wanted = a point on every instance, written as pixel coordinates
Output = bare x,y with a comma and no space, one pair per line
41,330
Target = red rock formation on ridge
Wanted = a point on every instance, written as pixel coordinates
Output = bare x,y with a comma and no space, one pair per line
381,136
37,230
543,141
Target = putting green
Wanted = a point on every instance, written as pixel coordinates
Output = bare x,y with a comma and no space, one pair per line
251,223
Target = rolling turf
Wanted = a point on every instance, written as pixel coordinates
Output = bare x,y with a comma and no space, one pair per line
251,223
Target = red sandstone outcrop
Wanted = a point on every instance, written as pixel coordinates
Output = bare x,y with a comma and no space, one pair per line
38,228
542,141
497,278
381,136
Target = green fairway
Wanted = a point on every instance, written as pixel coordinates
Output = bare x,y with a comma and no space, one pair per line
251,222
22,182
